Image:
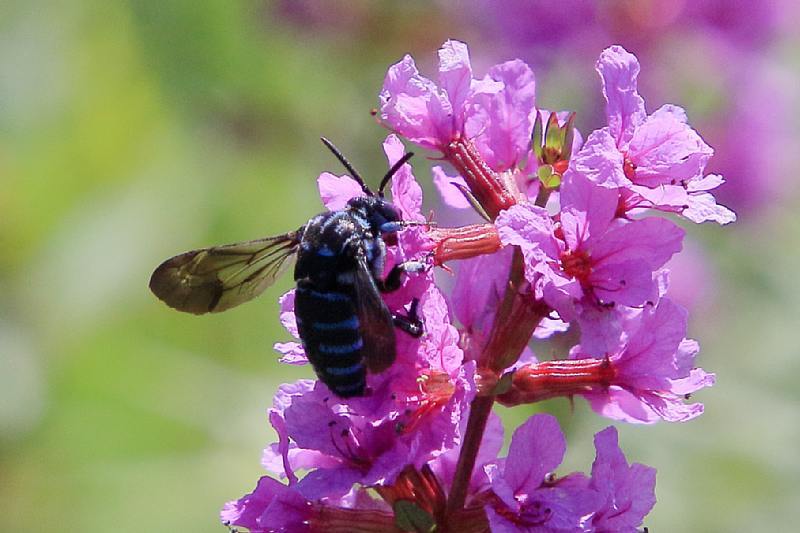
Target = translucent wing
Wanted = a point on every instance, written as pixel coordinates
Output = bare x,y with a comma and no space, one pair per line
375,321
214,279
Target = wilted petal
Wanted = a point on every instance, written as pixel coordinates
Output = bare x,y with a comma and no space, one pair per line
619,70
292,353
703,207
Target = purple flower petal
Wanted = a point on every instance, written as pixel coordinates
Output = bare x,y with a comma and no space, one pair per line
628,492
246,511
600,161
665,150
448,187
652,241
412,105
703,207
406,192
501,122
586,210
336,191
287,317
292,353
455,77
619,70
537,448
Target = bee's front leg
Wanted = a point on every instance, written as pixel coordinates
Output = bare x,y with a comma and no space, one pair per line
394,278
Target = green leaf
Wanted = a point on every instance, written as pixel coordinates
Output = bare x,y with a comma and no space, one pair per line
549,179
552,134
569,136
536,136
409,516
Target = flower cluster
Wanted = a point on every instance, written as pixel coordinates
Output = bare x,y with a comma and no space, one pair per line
572,238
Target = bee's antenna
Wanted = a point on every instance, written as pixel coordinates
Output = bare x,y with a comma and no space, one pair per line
402,161
343,160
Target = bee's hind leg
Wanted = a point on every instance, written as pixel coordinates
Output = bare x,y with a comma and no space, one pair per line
410,323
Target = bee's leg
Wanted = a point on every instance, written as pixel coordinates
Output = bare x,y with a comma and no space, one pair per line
395,276
411,322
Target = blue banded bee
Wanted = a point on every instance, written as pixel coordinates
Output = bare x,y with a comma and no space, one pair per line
344,325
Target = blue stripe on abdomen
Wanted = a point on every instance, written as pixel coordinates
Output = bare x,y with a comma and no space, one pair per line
330,296
340,349
344,371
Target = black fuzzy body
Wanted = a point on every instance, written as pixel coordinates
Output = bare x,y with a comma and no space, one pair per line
343,324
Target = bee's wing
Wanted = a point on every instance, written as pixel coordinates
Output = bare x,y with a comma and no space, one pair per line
214,279
375,321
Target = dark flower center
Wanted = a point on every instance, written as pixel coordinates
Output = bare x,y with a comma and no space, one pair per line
577,264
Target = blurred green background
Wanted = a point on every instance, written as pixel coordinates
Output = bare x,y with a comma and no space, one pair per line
130,131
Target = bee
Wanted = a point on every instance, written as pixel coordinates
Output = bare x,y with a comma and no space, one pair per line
343,323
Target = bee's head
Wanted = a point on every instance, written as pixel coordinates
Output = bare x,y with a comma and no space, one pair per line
383,218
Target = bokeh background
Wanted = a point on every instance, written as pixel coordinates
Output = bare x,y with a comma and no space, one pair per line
130,131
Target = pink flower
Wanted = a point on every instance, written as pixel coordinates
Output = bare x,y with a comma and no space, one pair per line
529,497
589,260
653,371
275,507
272,506
429,114
627,491
656,160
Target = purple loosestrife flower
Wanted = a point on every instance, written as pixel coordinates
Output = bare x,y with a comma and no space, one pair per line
589,260
653,371
656,161
275,507
424,437
645,380
627,491
429,114
528,496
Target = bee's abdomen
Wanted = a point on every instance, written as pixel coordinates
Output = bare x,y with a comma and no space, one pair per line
329,329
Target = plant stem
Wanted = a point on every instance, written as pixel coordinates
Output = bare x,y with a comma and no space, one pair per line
479,412
515,320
